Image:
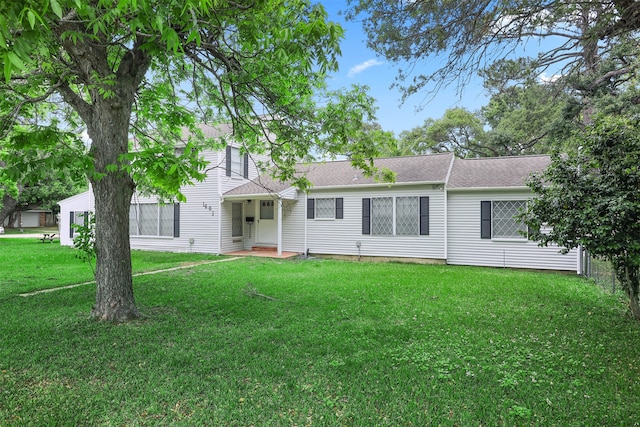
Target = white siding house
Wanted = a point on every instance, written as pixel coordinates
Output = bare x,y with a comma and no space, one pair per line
483,195
439,209
73,210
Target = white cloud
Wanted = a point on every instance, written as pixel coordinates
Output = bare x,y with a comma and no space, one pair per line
357,69
548,79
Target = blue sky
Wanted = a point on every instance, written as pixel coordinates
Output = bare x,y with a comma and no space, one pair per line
360,65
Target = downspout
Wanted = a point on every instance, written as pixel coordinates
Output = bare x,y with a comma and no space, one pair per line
279,226
306,248
579,258
219,182
446,210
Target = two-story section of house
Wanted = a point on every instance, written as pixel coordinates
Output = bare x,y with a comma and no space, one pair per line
204,223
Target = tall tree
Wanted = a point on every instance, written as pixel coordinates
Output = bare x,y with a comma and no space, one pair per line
39,173
458,131
141,67
525,115
589,198
414,141
472,34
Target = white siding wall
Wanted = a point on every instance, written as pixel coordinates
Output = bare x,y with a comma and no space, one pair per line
339,236
79,203
465,247
293,217
198,224
201,215
205,222
230,182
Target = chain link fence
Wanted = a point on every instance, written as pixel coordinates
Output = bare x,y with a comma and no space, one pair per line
600,271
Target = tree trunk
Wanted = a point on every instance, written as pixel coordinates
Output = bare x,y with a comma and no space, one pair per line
112,192
114,283
630,279
8,206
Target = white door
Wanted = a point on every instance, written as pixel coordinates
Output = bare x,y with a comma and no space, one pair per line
267,223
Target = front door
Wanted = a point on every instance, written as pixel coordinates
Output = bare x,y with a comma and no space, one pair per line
267,223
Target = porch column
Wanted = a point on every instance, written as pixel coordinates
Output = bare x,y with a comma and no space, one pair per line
279,227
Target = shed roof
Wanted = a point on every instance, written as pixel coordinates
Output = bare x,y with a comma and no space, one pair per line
495,172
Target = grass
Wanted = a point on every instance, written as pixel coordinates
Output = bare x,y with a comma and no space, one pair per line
344,343
27,264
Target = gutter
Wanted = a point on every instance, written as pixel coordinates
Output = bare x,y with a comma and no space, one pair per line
519,188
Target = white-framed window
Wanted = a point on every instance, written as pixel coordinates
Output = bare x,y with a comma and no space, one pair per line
267,210
382,215
236,220
151,219
237,162
408,216
498,219
400,216
325,208
77,218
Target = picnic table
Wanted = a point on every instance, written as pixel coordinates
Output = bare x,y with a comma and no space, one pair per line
47,237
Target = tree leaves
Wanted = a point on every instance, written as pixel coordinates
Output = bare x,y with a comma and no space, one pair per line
590,198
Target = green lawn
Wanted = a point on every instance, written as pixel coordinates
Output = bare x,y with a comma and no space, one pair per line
344,343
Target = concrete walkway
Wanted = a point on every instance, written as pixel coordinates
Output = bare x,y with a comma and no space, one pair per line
194,264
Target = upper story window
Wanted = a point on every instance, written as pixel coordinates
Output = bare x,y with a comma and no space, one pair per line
498,219
237,164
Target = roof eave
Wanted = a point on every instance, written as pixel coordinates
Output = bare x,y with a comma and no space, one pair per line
521,187
375,185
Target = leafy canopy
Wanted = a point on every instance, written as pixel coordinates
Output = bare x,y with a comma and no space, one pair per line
258,65
590,198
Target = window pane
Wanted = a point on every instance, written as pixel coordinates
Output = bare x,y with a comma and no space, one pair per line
133,220
166,220
237,164
266,209
407,216
325,208
382,215
236,219
504,221
148,222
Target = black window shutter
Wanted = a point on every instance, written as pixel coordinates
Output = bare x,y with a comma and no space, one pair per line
424,216
71,221
311,208
228,160
176,220
245,172
339,207
485,220
366,216
85,216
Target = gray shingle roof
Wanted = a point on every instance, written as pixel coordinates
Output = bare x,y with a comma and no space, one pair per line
209,131
495,172
431,168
